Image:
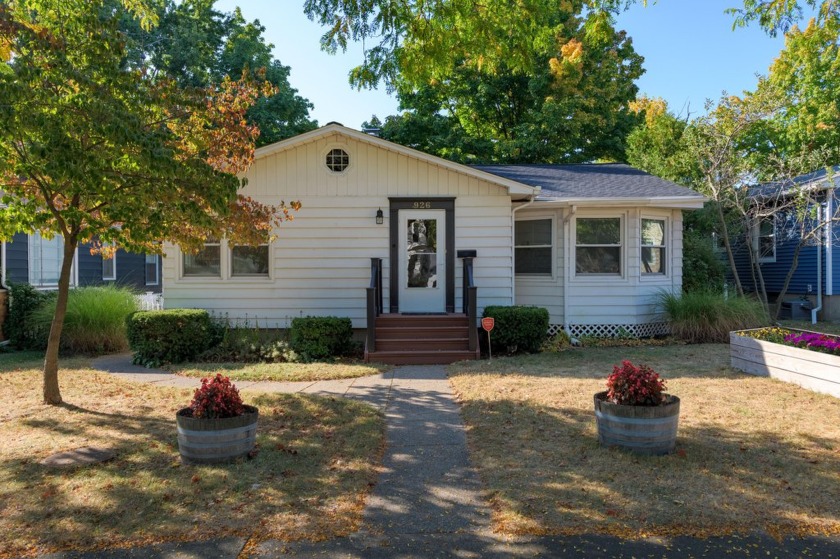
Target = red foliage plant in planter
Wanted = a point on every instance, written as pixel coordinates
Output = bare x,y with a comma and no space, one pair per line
217,398
634,413
630,385
217,426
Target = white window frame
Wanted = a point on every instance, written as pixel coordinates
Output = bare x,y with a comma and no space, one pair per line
622,267
113,265
329,152
226,267
205,277
267,274
756,238
157,269
36,237
666,259
551,274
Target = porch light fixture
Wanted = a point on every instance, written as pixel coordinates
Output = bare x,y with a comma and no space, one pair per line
379,217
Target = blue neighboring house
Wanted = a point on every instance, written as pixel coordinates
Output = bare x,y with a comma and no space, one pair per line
817,275
35,260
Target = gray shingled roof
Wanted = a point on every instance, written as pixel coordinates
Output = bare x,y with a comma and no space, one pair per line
815,179
595,180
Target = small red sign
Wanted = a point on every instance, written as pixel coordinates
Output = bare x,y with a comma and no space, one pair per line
488,323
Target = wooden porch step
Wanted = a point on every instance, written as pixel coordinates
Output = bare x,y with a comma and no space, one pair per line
428,344
420,358
421,320
419,332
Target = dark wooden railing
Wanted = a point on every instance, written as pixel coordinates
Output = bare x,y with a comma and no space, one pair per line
374,302
470,294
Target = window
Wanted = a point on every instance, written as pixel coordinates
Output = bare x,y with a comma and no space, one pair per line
337,160
533,248
653,246
249,261
45,256
205,263
109,266
598,245
152,273
764,239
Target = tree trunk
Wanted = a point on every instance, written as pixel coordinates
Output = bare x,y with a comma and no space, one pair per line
778,306
52,393
728,245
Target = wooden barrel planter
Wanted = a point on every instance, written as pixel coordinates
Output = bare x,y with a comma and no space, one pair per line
640,429
211,441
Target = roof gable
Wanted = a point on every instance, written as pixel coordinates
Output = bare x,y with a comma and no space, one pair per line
515,188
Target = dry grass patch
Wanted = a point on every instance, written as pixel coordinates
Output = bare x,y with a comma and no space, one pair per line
317,460
753,453
280,371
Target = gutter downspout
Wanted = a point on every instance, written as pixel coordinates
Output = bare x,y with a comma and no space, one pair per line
3,283
819,306
567,257
513,245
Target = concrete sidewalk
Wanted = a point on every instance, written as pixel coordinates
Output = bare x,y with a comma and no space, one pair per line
429,502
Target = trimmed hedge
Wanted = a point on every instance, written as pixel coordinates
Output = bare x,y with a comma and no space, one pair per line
169,336
517,329
321,337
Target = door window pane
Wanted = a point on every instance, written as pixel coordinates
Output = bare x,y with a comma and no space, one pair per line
249,261
421,247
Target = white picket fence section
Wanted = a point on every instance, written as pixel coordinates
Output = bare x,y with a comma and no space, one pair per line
150,301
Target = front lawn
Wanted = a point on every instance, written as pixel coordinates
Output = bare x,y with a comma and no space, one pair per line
280,371
316,461
752,453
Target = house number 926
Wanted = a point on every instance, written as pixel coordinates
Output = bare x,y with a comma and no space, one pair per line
421,205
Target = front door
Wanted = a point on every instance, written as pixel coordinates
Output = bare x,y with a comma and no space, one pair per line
422,261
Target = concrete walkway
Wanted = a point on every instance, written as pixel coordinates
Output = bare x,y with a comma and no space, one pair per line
429,502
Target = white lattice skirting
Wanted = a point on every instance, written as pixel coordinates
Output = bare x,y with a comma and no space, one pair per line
647,330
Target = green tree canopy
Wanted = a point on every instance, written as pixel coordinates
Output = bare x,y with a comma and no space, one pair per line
198,46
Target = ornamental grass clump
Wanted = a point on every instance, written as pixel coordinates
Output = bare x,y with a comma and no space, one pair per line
630,385
217,398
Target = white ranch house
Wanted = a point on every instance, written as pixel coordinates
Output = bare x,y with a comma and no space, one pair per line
594,244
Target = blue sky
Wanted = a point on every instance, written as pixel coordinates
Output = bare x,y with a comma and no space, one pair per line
691,54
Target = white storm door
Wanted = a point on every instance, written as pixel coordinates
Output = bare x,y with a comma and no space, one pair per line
422,261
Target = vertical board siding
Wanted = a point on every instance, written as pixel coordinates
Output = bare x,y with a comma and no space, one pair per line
321,260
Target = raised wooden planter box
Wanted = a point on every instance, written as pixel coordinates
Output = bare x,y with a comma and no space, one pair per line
813,370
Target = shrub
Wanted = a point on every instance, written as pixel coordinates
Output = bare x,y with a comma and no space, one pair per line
247,344
517,329
703,269
169,336
314,338
217,398
630,385
23,332
705,316
95,319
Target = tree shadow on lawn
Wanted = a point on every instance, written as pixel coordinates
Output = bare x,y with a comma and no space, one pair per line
548,475
317,459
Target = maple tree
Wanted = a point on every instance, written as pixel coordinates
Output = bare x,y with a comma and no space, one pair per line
95,150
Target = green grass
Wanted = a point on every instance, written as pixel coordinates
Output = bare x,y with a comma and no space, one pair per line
752,454
705,316
95,319
317,460
822,327
280,371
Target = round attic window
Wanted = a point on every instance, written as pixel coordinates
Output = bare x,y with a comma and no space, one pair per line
337,160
